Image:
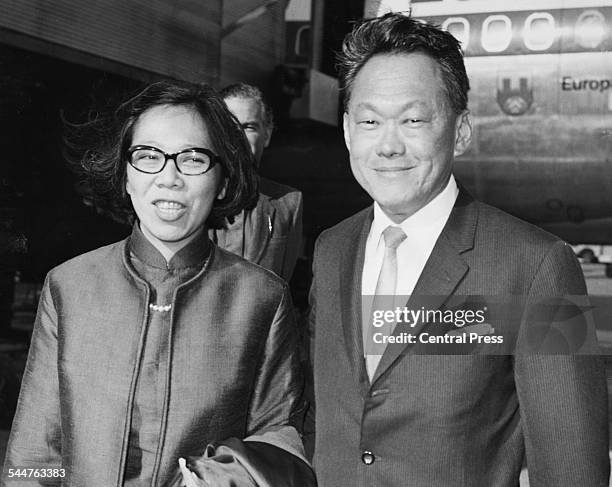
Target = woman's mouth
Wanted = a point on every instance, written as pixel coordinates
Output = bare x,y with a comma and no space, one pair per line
169,210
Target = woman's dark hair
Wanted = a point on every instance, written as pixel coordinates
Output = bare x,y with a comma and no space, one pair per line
395,33
105,165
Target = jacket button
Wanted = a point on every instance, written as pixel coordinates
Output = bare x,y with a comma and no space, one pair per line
368,457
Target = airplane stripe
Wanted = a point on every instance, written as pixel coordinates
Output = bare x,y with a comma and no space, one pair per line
454,7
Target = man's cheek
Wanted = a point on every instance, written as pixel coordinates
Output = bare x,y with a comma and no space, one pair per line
361,150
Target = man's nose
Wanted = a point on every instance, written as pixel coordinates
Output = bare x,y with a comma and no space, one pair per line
169,176
391,143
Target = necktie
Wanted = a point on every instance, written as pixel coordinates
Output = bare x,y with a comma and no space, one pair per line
384,298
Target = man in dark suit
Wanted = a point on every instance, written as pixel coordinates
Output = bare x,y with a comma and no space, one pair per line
271,233
405,413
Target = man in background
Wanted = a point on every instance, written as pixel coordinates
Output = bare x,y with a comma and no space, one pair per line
271,233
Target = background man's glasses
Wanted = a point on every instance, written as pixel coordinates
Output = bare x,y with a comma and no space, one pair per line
191,162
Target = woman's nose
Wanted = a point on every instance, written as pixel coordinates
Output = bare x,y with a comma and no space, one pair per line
169,176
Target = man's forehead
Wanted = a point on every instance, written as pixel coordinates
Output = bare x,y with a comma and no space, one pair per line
245,104
411,67
412,79
374,105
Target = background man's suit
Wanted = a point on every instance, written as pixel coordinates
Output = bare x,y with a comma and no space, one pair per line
271,233
439,420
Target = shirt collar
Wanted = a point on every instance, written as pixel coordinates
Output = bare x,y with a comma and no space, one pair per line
192,254
432,214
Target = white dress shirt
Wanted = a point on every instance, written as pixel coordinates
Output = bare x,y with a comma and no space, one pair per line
422,230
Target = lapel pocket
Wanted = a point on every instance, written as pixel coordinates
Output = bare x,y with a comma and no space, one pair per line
258,230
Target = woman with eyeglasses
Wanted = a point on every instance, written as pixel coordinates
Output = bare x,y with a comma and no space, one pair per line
163,346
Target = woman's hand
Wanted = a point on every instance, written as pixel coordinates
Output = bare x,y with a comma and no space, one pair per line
190,479
216,469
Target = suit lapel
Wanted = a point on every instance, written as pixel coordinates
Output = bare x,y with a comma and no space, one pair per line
351,266
442,273
258,226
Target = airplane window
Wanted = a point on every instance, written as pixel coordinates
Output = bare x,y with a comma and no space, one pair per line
302,41
539,32
459,28
496,33
384,6
590,29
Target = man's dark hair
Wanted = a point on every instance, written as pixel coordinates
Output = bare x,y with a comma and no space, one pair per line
396,33
105,165
245,90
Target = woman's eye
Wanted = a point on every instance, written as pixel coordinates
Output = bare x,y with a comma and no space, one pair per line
146,156
194,160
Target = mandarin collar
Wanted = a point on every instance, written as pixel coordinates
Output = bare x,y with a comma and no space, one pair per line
192,254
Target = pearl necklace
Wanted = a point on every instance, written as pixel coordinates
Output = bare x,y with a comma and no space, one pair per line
161,308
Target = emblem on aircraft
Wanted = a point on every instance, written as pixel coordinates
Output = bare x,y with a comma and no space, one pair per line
514,96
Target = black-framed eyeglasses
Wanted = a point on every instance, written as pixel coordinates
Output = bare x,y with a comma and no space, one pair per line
191,162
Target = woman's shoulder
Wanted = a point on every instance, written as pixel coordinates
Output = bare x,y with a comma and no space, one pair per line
90,262
238,268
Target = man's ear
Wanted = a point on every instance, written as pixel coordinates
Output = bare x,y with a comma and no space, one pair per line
222,190
463,132
268,136
347,134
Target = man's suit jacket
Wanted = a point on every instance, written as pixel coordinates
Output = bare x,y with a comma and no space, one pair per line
271,233
454,420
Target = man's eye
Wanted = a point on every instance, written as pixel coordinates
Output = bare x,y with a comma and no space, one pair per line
414,122
368,123
249,128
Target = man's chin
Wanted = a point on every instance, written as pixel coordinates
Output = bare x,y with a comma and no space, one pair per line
398,212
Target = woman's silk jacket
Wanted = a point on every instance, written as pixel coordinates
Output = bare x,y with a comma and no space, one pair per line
233,369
